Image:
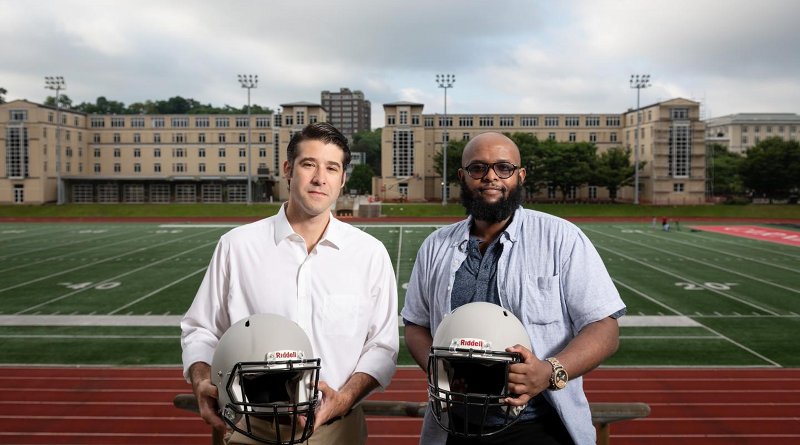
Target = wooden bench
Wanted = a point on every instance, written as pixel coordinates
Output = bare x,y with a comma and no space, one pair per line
603,414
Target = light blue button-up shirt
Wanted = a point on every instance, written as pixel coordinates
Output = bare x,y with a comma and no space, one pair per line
549,275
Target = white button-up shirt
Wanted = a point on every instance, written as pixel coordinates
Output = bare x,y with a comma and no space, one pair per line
343,294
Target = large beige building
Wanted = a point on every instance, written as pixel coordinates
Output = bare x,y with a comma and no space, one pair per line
152,158
741,131
671,145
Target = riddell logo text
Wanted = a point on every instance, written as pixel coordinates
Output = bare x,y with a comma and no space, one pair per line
470,342
286,354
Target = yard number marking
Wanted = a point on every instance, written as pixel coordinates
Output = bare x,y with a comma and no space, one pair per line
704,286
102,286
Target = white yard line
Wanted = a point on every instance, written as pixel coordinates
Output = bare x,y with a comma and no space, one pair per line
670,239
751,245
59,298
728,270
144,297
78,252
141,249
397,262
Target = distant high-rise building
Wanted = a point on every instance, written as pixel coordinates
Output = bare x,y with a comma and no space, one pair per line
347,110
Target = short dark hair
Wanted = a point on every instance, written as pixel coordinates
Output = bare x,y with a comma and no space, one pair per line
319,131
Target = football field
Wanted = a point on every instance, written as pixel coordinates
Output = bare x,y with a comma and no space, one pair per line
112,294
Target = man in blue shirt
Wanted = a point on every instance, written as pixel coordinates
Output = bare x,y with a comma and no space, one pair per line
541,268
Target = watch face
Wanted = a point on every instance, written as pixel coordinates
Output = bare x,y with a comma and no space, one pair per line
560,379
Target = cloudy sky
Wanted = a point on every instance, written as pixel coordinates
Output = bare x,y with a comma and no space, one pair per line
515,56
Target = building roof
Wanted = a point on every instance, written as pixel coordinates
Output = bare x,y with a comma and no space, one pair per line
301,104
755,118
403,103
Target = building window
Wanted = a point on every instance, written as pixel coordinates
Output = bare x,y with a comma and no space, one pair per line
592,137
242,122
680,150
201,152
592,192
446,121
506,121
465,136
612,121
180,122
404,118
242,138
17,115
137,122
222,122
179,167
592,121
289,120
117,122
137,152
201,138
242,167
242,152
157,168
201,122
679,113
117,167
677,187
96,152
96,138
465,121
402,153
137,138
158,122
262,122
415,119
429,121
551,121
612,137
551,136
486,121
529,121
117,138
178,152
221,167
572,121
17,147
97,168
262,152
137,168
262,138
117,153
221,152
97,122
201,167
156,152
573,137
301,117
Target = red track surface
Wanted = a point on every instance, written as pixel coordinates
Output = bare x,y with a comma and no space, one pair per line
50,405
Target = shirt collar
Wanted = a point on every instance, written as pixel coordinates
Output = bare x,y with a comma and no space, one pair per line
511,232
333,236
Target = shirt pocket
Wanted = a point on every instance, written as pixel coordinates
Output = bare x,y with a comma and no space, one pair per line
340,315
542,300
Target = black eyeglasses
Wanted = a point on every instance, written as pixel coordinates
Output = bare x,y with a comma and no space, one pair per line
503,170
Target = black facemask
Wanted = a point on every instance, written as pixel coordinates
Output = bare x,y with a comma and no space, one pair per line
494,212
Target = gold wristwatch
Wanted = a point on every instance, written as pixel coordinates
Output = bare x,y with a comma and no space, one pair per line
559,377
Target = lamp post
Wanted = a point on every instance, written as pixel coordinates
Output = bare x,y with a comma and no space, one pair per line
445,81
637,81
57,84
248,81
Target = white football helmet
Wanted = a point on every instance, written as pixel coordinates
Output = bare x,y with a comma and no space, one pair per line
264,368
468,369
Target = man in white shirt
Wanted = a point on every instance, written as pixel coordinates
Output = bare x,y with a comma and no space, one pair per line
334,280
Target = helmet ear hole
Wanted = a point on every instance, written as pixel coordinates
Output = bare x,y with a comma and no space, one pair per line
271,387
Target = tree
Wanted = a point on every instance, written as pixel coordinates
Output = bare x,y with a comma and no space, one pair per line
772,168
531,156
360,179
63,100
102,106
3,93
723,171
568,165
614,170
454,151
369,143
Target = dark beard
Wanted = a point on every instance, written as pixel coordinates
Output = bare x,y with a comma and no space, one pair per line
491,213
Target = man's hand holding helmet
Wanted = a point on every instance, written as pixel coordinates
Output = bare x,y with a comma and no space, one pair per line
527,379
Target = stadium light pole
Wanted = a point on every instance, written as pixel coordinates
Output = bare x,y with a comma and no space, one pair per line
445,81
638,81
57,84
248,81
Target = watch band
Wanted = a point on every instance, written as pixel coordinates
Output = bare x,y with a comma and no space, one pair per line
559,376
